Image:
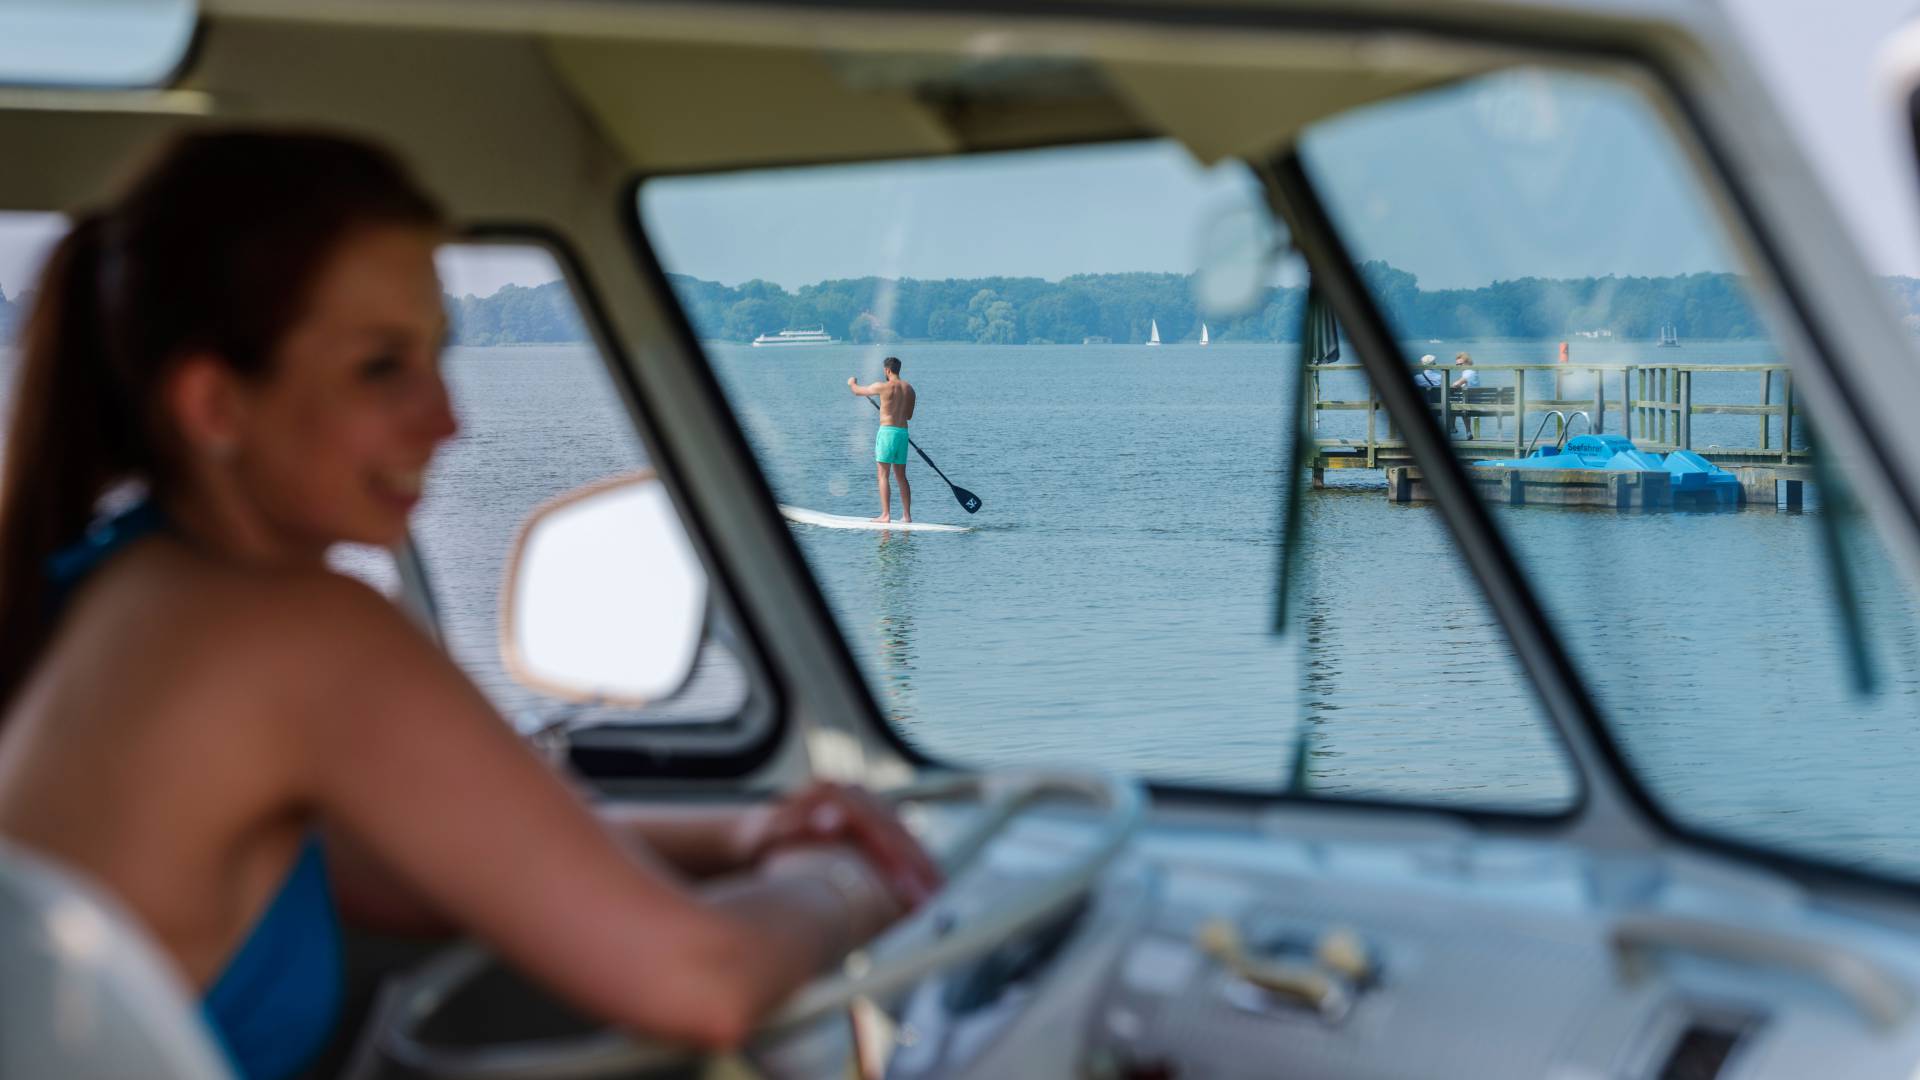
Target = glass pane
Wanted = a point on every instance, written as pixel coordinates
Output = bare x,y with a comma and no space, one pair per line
1636,429
1112,601
94,43
539,417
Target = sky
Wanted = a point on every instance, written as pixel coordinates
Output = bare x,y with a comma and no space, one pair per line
1055,213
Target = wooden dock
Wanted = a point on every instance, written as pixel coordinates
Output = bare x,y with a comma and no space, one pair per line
1653,404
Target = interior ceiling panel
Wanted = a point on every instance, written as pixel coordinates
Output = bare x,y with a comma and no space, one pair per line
692,106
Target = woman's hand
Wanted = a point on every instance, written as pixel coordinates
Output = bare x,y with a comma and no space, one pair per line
826,814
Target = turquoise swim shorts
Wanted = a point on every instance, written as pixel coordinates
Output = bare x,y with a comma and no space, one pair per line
890,445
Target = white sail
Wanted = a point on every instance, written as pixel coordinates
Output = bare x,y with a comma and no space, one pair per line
1203,334
1153,337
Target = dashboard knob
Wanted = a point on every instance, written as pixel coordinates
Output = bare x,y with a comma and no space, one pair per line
1341,950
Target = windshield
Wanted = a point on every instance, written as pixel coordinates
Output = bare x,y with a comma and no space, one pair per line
1097,466
1570,307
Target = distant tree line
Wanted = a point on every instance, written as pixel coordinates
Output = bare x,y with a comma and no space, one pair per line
516,315
1122,308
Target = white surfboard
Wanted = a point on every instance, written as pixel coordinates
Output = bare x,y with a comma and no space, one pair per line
837,521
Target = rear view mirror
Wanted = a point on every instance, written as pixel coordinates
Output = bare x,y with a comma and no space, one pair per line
605,599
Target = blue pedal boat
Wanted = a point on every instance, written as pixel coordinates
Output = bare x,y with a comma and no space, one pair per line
1691,475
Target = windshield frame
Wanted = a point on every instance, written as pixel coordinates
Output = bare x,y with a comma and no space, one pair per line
1570,812
1680,120
1684,116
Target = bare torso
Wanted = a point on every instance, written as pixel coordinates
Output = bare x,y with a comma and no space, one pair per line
896,398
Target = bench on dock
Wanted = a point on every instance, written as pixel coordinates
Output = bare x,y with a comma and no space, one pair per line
1475,401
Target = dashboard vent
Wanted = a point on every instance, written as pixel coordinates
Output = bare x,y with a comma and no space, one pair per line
1702,1050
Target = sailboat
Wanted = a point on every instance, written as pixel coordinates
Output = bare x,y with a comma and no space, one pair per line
1203,335
1669,337
1153,336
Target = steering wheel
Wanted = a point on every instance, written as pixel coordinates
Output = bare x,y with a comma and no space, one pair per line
909,951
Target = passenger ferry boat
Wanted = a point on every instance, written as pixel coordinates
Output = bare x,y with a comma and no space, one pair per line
814,336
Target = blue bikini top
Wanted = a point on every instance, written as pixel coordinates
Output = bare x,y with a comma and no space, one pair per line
276,1003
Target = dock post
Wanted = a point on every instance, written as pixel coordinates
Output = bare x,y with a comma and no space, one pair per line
1766,398
1795,496
1319,477
1446,408
1513,490
1400,484
1786,421
1685,379
1520,413
1665,393
1626,402
1757,486
1599,402
1373,406
1656,490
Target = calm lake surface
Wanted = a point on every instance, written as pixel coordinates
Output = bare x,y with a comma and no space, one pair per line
1114,603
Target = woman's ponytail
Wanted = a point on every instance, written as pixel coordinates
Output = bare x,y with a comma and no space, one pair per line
60,441
211,250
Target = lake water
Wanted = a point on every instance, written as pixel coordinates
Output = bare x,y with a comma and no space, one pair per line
1113,605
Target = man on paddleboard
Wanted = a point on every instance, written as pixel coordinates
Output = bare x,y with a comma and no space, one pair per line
890,442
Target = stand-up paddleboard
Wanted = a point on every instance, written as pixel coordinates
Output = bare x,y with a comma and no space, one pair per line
837,521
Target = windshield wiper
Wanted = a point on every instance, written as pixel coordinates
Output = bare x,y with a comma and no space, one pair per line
1319,344
1836,506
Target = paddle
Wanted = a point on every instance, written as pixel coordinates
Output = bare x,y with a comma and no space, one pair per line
968,500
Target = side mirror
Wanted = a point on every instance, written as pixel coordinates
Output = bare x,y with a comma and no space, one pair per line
605,599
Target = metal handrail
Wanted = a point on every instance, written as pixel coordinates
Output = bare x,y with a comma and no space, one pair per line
1550,414
1566,428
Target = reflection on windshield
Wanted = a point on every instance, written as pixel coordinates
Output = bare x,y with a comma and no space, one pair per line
894,626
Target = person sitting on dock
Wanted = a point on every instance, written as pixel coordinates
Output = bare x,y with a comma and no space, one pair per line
1468,379
1427,377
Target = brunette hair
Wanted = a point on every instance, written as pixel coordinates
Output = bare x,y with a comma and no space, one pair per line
891,363
213,248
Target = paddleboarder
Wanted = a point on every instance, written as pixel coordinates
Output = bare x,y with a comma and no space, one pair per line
896,398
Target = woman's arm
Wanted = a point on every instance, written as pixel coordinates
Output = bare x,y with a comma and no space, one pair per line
397,751
705,841
700,841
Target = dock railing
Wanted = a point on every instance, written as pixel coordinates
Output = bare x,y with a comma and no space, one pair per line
1654,404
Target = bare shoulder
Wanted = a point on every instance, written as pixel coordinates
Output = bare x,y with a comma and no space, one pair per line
271,630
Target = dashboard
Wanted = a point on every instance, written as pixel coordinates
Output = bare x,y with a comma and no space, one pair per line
1295,949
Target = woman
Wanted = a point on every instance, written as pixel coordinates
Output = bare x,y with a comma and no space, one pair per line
239,743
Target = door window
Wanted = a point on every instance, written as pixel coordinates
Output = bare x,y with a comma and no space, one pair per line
540,416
